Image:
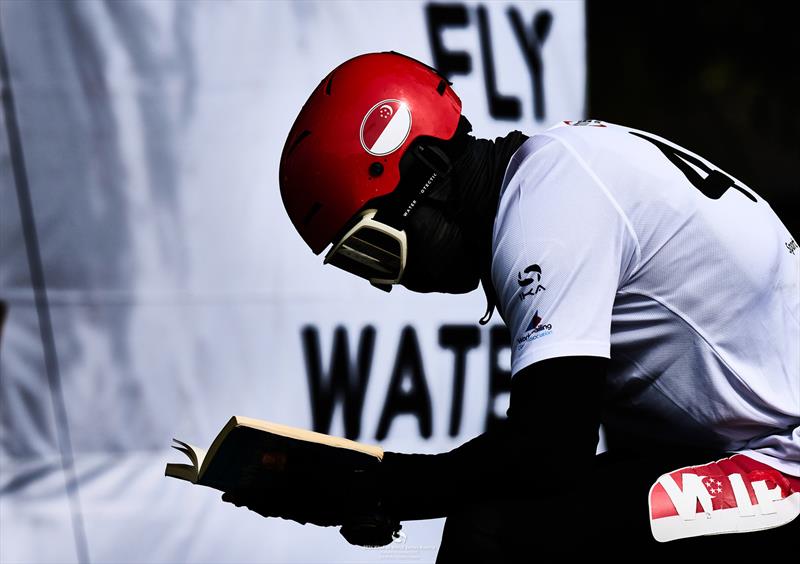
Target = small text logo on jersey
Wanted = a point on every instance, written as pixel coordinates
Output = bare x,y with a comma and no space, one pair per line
792,246
532,275
535,330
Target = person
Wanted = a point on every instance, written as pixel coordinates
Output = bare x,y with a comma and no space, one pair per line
643,288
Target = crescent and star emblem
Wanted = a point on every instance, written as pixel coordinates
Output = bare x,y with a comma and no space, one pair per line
385,111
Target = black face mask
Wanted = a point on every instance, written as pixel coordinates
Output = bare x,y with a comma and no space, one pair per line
440,259
449,231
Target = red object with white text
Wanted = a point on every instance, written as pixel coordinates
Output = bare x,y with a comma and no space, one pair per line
732,495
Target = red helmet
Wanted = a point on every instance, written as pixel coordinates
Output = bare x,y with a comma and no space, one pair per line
344,148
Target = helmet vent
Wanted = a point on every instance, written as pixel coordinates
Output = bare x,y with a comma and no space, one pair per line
297,141
312,212
328,86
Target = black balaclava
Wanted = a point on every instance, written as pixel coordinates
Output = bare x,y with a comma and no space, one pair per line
449,230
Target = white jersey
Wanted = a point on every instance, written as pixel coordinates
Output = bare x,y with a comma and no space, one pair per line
613,242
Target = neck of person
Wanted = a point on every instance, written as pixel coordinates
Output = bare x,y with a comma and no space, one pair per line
478,175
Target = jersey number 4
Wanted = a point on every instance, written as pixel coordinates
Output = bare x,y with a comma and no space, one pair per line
713,186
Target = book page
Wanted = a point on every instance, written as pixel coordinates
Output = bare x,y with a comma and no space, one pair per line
196,454
189,472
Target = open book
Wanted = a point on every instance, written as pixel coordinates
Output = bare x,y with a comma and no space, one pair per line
244,445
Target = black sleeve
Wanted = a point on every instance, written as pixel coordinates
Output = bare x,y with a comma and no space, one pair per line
553,418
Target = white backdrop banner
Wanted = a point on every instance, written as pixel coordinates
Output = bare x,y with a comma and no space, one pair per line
154,286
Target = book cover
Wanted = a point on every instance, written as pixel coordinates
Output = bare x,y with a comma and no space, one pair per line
245,448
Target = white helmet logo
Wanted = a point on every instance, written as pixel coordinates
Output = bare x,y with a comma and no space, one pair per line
385,127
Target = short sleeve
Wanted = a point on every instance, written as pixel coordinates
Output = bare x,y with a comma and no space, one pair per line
561,249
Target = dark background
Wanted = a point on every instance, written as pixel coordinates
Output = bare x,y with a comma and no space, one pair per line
719,78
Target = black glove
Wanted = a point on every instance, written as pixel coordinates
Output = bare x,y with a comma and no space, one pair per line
370,529
321,497
297,497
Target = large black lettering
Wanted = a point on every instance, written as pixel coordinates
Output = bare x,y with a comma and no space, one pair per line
460,339
531,45
715,183
439,17
344,382
500,106
416,399
499,378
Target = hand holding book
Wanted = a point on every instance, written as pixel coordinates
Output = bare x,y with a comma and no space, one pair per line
281,471
348,498
320,496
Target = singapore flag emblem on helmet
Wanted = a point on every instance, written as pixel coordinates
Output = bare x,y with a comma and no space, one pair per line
385,127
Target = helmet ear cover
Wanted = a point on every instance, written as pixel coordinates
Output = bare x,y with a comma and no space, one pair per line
418,174
425,169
